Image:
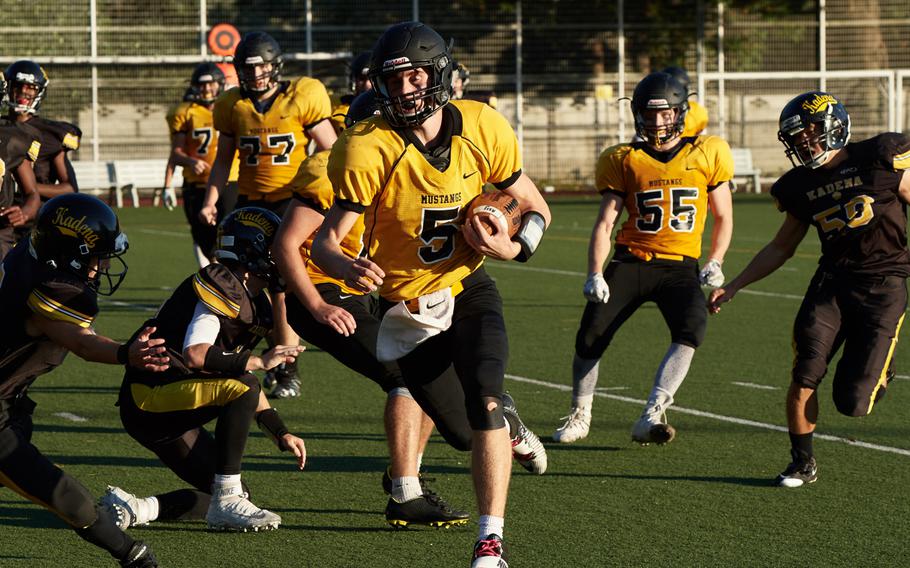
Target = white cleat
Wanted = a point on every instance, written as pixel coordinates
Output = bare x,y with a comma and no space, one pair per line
230,510
125,509
527,449
576,426
653,429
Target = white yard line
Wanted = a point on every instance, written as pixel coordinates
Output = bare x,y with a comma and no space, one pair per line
185,234
755,386
720,417
70,416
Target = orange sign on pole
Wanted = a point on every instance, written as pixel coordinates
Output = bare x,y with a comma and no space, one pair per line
223,39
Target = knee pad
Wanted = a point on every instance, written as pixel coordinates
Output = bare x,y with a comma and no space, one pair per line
485,413
72,502
848,404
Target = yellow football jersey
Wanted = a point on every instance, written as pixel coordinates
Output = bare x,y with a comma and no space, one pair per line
272,144
696,119
195,121
411,208
312,186
339,111
667,202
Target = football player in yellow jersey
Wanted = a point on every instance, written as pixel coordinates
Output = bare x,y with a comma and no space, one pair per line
194,143
668,183
410,172
270,122
697,117
359,78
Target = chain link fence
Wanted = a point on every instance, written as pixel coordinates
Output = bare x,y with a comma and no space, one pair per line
558,68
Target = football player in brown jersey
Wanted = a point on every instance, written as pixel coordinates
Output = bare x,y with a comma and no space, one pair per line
194,145
667,183
270,122
49,286
856,196
211,324
19,147
410,172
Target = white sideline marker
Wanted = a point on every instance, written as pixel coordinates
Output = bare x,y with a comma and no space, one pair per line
754,386
721,417
71,417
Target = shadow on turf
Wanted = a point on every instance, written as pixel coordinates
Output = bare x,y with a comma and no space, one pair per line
107,391
745,481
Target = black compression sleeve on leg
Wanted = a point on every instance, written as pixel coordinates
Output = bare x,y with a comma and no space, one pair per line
103,533
183,505
233,427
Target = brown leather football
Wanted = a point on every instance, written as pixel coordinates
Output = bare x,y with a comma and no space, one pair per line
496,208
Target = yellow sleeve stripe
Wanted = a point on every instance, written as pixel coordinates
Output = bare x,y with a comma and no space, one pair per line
71,141
42,305
214,300
902,161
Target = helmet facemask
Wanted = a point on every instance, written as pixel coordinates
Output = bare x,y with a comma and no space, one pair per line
105,281
21,102
811,144
660,135
249,79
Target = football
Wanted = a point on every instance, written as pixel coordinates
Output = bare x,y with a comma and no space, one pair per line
495,209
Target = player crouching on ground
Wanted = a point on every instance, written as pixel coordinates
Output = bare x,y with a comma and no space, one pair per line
217,315
49,286
856,196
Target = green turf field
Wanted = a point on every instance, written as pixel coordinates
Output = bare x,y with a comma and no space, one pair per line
704,500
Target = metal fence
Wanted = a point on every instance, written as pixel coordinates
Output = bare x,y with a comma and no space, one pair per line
558,67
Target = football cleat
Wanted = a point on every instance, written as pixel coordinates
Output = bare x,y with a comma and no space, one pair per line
800,472
653,429
139,556
230,510
429,509
285,380
576,426
490,552
527,449
286,389
125,508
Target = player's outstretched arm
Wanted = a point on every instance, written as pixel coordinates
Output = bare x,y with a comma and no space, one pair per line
141,352
299,222
721,202
360,273
768,259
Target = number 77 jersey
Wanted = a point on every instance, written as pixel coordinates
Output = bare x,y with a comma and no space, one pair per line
273,143
665,193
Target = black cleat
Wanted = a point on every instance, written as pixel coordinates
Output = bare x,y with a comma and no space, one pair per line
800,472
387,481
139,556
429,509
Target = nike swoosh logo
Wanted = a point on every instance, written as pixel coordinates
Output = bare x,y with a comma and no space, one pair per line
344,296
436,305
466,176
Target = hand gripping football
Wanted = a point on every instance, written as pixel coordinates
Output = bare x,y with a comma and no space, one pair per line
496,209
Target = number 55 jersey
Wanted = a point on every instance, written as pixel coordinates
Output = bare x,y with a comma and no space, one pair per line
665,193
272,141
855,206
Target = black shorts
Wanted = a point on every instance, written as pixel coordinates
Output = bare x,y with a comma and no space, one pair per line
193,199
356,351
862,313
28,472
277,207
672,285
476,346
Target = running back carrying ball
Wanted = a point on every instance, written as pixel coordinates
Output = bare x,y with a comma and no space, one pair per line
496,209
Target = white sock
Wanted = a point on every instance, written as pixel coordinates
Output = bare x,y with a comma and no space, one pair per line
490,525
419,461
150,504
584,380
670,376
406,489
583,403
227,480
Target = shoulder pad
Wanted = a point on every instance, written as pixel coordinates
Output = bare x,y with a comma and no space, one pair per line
221,291
62,299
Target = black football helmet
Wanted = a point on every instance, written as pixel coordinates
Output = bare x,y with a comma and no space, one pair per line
360,70
659,91
827,120
245,241
205,73
257,48
362,107
463,73
411,45
679,74
73,230
25,72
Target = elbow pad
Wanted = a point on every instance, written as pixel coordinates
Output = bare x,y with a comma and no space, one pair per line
530,234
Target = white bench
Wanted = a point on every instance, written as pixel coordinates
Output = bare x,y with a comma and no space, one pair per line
95,176
744,169
131,175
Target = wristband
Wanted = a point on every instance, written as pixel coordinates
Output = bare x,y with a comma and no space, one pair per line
530,234
272,426
123,353
226,362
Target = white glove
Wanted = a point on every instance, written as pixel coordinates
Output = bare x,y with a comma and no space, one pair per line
596,289
711,275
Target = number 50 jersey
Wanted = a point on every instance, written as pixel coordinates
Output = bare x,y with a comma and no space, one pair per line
666,194
272,144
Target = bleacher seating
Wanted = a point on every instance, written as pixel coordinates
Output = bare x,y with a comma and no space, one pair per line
744,169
